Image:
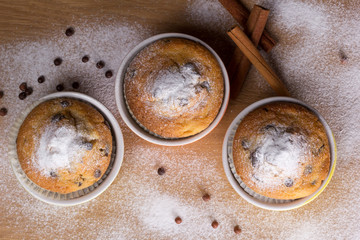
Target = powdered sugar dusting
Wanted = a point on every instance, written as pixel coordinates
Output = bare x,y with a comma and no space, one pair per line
279,156
58,148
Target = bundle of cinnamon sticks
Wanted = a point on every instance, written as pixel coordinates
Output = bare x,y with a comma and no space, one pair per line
247,40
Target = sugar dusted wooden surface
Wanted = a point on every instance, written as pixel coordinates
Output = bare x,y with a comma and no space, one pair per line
140,204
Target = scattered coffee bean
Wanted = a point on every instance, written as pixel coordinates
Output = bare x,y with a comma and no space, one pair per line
237,229
1,94
85,59
60,87
206,197
69,31
23,86
3,111
178,220
22,95
214,224
343,57
75,85
289,182
161,171
97,173
41,79
108,74
29,91
57,61
64,103
100,64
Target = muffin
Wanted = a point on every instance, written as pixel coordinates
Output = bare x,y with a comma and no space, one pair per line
281,151
174,88
64,145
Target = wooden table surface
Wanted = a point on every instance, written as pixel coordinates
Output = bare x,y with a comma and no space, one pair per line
140,204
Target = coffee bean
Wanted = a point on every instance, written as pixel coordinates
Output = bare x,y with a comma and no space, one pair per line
289,182
57,117
178,220
23,86
57,61
41,79
161,171
85,59
100,64
3,111
97,173
206,197
53,174
64,103
75,85
214,224
108,74
1,94
60,87
237,229
69,31
22,95
29,91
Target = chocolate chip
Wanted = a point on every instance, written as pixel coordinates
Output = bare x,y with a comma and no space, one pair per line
79,183
245,144
314,182
265,109
57,61
161,171
206,197
270,128
97,173
214,224
178,220
41,79
3,111
23,86
75,85
132,73
308,170
206,85
53,174
29,91
65,103
108,74
87,145
100,64
69,31
1,94
254,158
105,152
22,95
85,59
289,182
57,117
60,87
237,229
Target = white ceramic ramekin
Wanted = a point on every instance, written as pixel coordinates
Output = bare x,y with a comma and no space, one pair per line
126,115
257,199
79,196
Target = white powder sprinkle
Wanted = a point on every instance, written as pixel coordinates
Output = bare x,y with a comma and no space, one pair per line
58,148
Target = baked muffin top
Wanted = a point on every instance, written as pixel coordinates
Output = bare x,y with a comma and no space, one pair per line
64,145
174,88
281,151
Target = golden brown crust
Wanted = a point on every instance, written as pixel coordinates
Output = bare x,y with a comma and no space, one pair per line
95,144
281,151
181,119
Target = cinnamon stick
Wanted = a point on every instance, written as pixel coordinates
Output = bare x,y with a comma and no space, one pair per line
241,15
251,52
239,64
